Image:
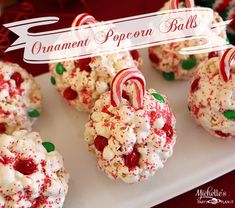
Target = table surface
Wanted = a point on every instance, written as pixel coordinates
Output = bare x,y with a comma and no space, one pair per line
107,10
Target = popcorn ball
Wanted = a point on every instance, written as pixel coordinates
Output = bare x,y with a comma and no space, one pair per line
32,173
20,98
81,82
211,98
131,130
167,59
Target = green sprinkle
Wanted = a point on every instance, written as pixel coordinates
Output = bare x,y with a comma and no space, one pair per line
229,114
168,75
158,97
184,5
34,113
53,81
60,69
189,63
49,146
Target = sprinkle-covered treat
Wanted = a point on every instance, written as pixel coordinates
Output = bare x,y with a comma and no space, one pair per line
20,98
131,130
167,59
32,173
81,82
211,97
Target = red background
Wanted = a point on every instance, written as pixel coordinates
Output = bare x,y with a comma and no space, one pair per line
107,10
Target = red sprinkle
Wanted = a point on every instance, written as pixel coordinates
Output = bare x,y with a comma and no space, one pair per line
83,64
2,128
135,54
195,110
100,143
70,94
168,129
222,134
132,159
195,85
154,58
18,78
213,54
41,200
25,166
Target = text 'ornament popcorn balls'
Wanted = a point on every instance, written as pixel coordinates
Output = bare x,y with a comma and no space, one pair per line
211,97
20,98
167,59
81,82
131,131
32,174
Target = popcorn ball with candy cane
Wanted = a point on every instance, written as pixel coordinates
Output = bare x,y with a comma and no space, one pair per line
81,82
32,174
167,59
130,129
20,98
211,98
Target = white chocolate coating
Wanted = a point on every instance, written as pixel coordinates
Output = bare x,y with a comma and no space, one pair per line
90,85
168,59
45,187
16,102
127,129
210,98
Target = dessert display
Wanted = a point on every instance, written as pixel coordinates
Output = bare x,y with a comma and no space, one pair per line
81,82
211,97
131,130
32,173
20,98
167,59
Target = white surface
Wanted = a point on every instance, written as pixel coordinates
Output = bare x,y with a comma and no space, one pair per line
197,159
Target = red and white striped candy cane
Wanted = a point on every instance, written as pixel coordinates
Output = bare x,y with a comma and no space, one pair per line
82,19
175,4
119,81
225,63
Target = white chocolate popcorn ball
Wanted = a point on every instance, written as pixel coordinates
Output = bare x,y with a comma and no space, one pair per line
175,66
211,100
81,82
20,98
32,174
131,144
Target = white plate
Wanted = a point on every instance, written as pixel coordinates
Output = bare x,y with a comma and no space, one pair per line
198,157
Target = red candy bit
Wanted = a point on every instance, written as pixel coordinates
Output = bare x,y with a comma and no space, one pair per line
18,78
70,94
2,128
100,143
132,160
195,85
83,64
222,134
154,58
135,54
25,166
168,129
213,54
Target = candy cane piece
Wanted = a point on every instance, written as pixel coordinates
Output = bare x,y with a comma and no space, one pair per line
121,79
175,4
82,19
225,63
